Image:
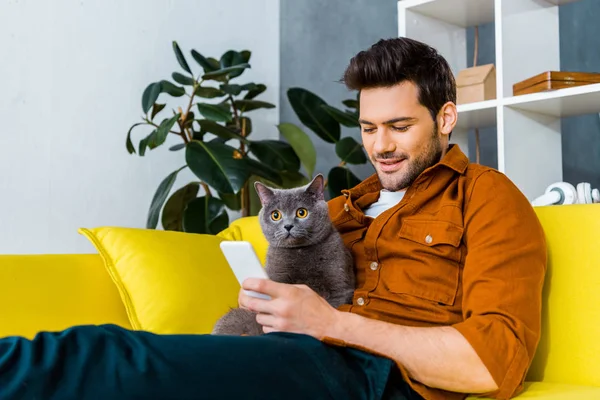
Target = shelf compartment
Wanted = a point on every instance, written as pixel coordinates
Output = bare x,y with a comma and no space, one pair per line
568,102
476,115
463,13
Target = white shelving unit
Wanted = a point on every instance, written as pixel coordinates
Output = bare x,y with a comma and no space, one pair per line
526,44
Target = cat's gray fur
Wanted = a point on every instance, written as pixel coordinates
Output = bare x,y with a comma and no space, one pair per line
311,253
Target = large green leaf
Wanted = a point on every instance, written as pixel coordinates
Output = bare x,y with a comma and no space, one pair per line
150,95
180,57
250,105
307,107
205,215
173,90
343,117
217,165
128,142
172,215
340,178
208,92
302,145
255,91
350,103
182,79
263,170
159,136
205,63
232,201
159,198
219,130
220,73
277,154
214,112
350,151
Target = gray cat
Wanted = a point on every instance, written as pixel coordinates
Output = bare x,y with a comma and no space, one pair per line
304,248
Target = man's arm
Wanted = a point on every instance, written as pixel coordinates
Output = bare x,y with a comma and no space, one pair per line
438,357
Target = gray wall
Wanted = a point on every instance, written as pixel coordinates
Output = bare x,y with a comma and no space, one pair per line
579,51
318,39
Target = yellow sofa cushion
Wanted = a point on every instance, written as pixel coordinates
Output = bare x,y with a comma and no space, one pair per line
170,282
55,291
553,391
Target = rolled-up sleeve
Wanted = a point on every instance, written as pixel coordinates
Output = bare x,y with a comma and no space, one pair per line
502,280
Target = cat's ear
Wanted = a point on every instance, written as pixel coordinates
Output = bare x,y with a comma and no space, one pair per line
265,194
315,187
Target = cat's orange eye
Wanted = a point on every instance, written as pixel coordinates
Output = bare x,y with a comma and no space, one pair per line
302,213
275,215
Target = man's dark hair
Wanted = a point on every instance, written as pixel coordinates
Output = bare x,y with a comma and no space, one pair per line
392,61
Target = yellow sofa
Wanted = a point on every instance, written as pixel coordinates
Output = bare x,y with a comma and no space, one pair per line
53,292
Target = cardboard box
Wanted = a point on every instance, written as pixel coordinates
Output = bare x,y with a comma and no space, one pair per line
553,80
476,84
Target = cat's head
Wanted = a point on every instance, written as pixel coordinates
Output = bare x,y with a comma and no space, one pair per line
294,217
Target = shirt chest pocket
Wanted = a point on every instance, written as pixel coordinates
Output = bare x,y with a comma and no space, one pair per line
426,262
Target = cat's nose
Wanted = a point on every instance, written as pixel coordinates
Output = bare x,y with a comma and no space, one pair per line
288,227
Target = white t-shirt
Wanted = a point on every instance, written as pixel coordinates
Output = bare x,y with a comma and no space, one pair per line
386,201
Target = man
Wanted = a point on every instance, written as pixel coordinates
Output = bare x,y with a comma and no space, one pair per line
450,260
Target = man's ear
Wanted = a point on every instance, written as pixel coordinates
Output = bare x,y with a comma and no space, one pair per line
265,194
315,187
447,117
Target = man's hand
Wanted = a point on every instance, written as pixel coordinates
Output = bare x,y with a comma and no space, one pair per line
292,308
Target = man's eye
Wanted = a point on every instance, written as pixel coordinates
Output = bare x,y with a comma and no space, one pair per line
401,128
368,130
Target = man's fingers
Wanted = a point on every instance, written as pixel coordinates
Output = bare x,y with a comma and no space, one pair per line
266,320
255,304
266,286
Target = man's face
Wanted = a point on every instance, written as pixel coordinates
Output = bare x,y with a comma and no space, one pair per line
399,135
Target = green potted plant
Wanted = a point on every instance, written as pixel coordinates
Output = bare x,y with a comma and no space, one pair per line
215,130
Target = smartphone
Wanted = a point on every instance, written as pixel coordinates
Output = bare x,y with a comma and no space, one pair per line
244,263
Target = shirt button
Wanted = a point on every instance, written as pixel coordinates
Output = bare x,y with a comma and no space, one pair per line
346,208
428,239
360,301
374,266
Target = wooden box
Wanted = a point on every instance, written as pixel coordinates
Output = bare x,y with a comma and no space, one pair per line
476,84
553,80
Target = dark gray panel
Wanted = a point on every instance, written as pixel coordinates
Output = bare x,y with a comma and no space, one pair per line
318,39
580,51
486,54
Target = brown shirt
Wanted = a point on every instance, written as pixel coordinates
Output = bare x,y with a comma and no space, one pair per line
463,248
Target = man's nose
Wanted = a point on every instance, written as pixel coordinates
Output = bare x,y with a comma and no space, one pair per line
383,143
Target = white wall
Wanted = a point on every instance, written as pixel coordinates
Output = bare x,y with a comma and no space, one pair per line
72,74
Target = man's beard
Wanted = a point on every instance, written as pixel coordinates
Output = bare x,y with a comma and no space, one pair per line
399,180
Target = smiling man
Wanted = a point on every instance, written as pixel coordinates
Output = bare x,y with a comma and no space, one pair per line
450,261
450,257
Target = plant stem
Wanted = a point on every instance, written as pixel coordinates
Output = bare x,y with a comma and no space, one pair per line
245,191
206,189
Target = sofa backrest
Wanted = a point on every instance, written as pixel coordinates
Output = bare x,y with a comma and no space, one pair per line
569,348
